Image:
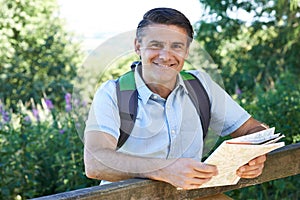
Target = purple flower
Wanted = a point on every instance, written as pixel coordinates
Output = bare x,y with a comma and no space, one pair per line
84,103
61,131
1,107
35,113
238,91
49,104
27,119
76,102
77,125
68,97
5,116
68,107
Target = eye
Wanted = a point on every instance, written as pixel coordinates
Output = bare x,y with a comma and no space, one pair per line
156,45
177,46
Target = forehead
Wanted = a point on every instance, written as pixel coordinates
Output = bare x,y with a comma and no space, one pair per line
161,32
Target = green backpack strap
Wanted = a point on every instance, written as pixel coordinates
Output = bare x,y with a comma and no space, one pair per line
127,97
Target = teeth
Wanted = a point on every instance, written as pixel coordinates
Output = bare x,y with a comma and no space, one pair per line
162,65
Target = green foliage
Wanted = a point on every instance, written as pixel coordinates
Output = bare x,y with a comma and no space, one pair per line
251,52
259,63
117,68
41,147
280,106
38,58
41,152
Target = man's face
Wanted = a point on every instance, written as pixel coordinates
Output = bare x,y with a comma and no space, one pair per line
163,49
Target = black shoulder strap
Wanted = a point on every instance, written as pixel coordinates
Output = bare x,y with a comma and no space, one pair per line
127,97
199,98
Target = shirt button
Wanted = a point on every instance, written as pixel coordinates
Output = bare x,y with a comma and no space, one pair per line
173,131
155,97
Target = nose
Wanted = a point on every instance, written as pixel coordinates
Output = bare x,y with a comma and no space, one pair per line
165,54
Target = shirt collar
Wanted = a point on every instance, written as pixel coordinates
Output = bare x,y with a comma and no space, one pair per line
180,83
144,92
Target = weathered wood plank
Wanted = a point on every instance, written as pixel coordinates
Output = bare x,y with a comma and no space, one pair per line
215,197
280,163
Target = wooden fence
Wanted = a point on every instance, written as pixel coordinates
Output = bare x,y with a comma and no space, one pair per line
280,163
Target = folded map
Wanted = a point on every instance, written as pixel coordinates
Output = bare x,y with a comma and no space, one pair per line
236,152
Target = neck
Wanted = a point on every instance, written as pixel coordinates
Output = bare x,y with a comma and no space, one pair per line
162,88
163,91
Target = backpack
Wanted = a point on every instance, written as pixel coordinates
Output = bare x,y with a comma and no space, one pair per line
127,97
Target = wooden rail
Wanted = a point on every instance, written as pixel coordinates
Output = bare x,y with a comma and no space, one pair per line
280,163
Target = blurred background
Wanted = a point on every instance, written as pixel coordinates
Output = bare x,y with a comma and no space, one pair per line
45,47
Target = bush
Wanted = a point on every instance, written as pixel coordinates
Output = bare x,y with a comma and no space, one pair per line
41,152
38,57
279,107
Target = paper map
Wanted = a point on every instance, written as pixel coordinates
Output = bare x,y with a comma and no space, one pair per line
234,153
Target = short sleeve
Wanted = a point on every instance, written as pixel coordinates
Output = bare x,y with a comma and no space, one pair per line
104,113
226,114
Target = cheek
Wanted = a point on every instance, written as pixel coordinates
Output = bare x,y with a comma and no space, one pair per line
180,58
182,55
149,54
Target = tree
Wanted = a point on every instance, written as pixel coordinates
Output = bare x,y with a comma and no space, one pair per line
259,62
255,55
253,51
38,58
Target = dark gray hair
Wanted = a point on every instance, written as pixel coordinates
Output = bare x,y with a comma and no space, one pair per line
167,16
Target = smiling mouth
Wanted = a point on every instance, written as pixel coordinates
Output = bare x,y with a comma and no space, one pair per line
164,66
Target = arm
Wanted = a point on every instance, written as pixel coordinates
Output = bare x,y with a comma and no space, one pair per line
250,126
103,162
254,167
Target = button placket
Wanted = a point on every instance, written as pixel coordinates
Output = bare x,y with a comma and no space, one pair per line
172,125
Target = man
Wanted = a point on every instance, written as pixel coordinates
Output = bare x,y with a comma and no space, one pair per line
166,141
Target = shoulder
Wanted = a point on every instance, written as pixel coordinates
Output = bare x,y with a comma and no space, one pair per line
110,84
106,89
203,77
213,86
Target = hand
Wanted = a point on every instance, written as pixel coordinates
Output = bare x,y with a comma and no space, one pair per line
186,173
253,169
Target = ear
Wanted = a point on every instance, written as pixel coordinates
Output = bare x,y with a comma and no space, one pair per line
137,47
187,53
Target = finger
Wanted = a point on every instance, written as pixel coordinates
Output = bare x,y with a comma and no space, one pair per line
250,171
258,160
199,175
206,168
200,181
202,175
251,174
249,167
194,183
192,173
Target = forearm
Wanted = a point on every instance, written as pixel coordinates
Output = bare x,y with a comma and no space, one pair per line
107,164
104,163
249,127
